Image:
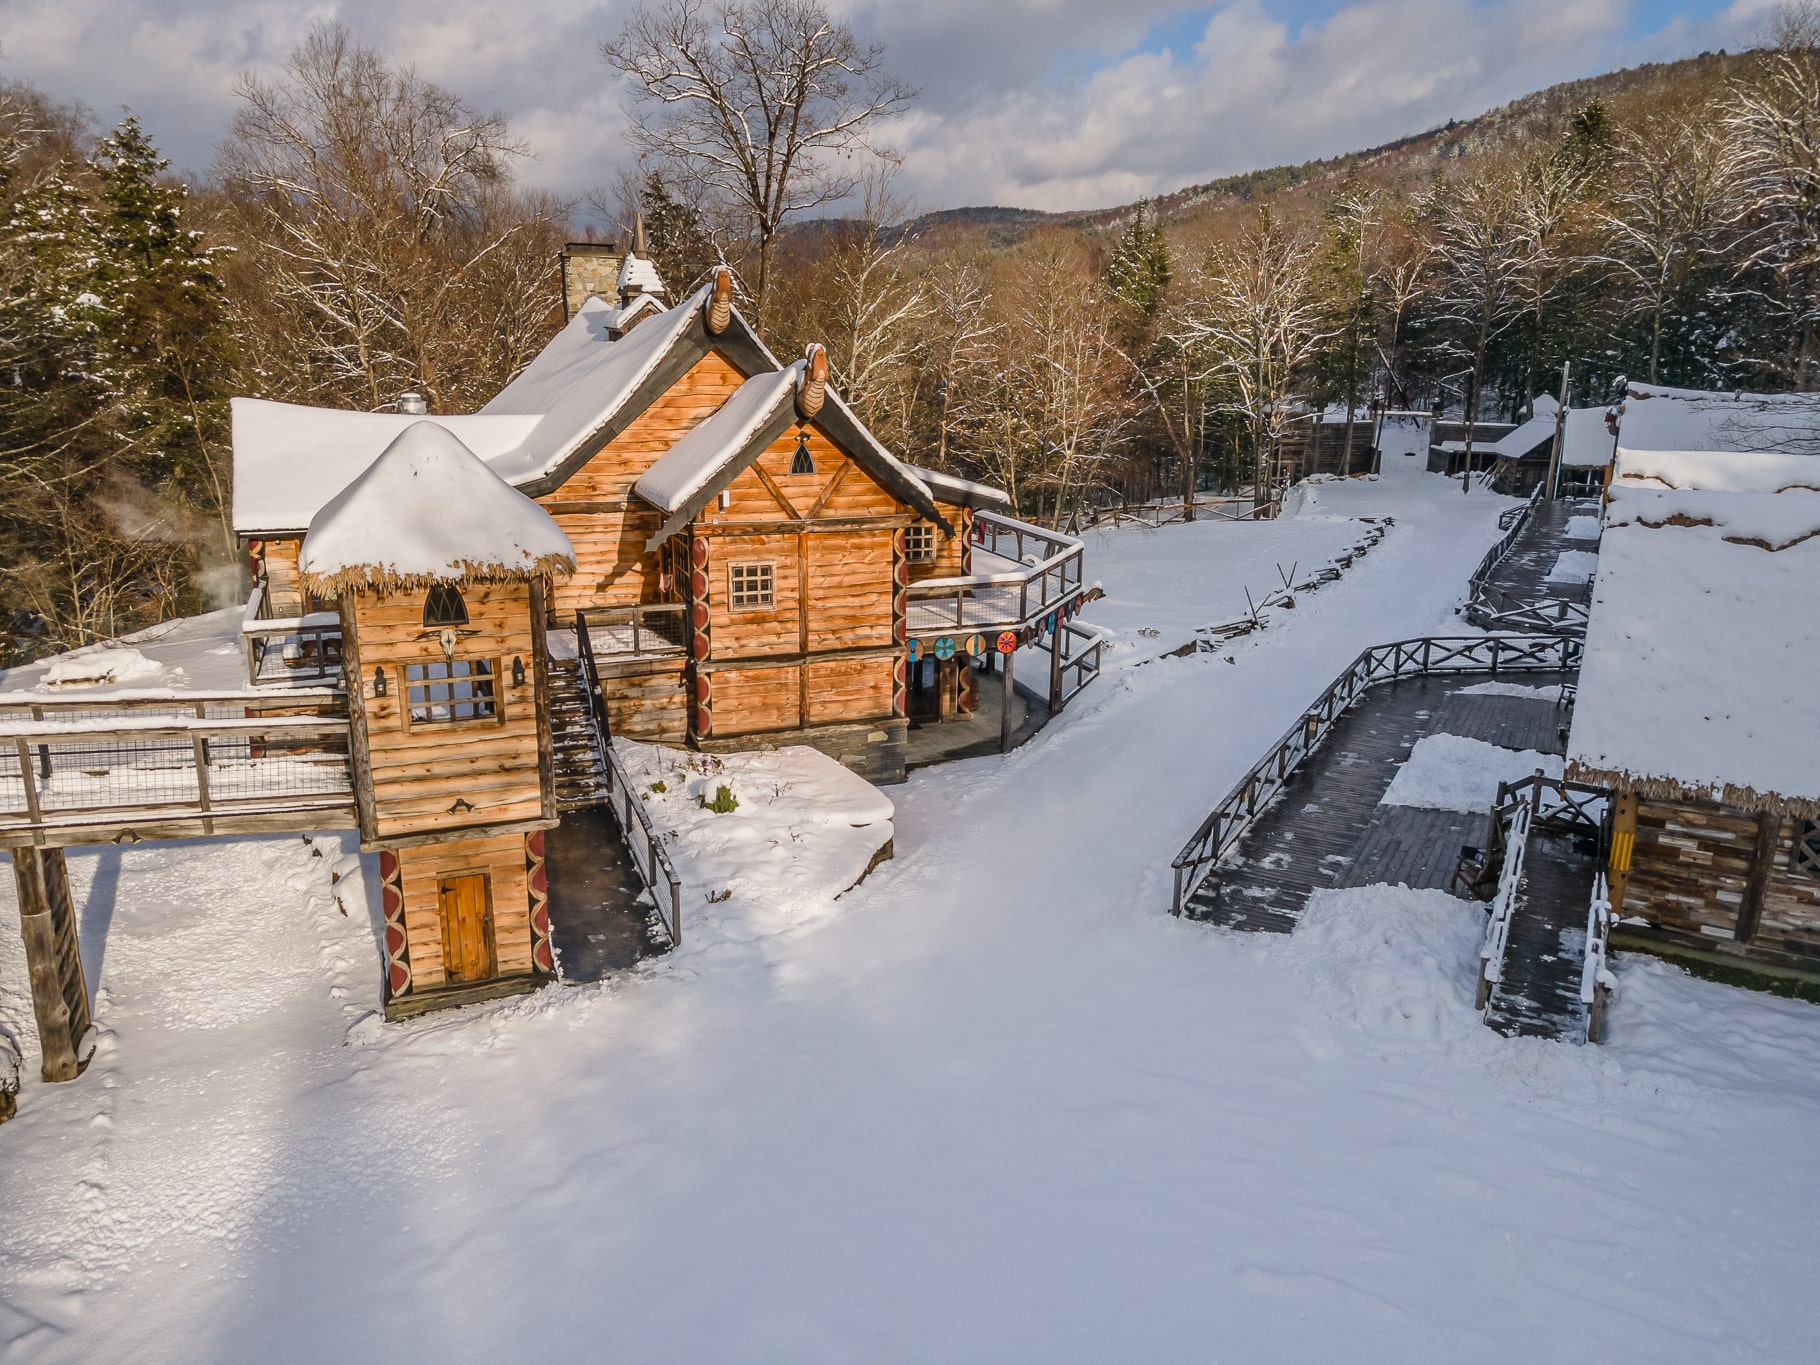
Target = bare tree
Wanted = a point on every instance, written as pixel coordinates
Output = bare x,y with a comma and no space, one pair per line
1772,132
1665,204
765,102
1264,322
1480,246
1176,373
389,242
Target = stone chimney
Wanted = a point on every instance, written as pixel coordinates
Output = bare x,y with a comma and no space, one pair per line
588,269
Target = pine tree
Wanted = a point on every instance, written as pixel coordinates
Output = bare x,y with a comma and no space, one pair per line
1139,273
680,246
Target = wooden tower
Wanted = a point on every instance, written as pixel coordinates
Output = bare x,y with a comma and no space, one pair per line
439,571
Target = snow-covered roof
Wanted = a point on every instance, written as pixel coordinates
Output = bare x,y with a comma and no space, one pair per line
1656,418
1717,471
429,510
638,274
715,443
1699,667
1586,439
580,380
290,458
959,492
619,318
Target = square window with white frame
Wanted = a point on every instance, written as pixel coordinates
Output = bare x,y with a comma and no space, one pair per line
919,543
750,586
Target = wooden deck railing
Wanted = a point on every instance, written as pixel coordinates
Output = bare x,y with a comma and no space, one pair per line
290,650
1595,975
1229,821
1515,824
647,630
83,771
1048,574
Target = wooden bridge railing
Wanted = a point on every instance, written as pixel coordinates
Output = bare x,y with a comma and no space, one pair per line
642,631
1234,816
91,770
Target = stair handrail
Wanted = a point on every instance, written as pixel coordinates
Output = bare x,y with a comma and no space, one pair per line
657,870
1504,904
1595,974
590,670
1241,807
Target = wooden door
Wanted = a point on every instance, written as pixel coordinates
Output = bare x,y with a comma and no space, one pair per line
467,927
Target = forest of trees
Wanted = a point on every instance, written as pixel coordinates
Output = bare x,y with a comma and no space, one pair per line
362,233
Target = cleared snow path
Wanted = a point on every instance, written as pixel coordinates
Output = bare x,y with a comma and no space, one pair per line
992,1105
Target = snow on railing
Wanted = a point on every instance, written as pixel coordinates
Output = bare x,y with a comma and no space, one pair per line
655,869
1008,598
1504,904
1595,975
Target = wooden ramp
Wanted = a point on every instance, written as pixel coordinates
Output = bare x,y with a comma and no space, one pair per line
1329,829
1511,588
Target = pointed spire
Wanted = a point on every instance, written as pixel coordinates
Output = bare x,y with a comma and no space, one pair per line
638,235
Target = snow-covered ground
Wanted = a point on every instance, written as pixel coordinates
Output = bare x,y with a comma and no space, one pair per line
994,1105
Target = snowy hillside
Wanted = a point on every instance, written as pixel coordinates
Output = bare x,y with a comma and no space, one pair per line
993,1104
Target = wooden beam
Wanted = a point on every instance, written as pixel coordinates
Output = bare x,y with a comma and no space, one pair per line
1763,861
791,660
461,835
1004,720
776,492
815,509
47,922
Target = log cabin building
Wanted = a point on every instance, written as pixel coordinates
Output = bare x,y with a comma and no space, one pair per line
656,531
1695,706
724,558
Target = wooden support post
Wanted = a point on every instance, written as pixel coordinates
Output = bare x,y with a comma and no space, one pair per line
1623,846
1055,664
47,922
1004,724
1763,859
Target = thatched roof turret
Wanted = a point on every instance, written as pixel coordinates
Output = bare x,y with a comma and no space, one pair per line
428,510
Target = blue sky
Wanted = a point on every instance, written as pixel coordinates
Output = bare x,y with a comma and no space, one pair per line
1040,103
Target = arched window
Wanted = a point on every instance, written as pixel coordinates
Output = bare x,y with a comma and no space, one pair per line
444,607
803,462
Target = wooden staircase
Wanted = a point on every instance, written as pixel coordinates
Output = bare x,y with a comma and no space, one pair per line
1542,970
580,749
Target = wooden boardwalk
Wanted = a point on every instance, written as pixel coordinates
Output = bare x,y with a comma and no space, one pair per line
1522,576
1329,829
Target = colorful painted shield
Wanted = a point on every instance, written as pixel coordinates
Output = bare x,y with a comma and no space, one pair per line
975,645
915,651
1007,642
944,648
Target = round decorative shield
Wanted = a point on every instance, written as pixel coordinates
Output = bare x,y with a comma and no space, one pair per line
916,650
975,645
1049,623
944,648
1007,642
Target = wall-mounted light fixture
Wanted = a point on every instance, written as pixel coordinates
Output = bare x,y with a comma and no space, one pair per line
726,499
518,671
378,682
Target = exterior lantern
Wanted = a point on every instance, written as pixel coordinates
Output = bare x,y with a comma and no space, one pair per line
378,682
518,671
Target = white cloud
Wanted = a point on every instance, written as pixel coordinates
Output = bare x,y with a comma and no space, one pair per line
1001,119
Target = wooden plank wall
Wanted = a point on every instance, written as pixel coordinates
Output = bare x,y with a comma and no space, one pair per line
595,506
828,539
1691,876
1690,867
649,702
1790,918
419,772
502,858
284,586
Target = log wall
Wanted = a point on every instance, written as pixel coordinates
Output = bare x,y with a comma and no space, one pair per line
444,775
284,586
421,869
1789,921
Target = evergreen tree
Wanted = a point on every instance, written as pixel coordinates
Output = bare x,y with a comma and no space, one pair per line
1139,272
680,246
